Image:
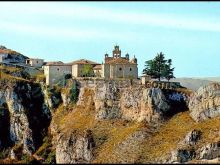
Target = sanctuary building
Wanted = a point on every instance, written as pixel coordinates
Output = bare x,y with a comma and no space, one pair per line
114,67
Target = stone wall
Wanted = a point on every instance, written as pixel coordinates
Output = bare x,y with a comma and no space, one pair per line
35,62
120,71
98,82
54,73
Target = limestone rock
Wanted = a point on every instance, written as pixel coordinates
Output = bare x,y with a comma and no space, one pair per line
28,114
191,138
209,151
187,152
182,155
75,148
135,103
205,103
65,98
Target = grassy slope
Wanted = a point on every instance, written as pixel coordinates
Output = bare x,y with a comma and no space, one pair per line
9,77
167,137
109,134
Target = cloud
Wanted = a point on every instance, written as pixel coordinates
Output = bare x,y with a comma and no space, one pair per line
80,11
72,33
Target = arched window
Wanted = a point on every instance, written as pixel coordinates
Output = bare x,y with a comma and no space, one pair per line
130,69
58,69
120,68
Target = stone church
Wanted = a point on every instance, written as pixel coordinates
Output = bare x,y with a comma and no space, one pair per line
118,66
114,67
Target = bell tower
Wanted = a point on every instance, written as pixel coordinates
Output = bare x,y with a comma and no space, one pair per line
116,52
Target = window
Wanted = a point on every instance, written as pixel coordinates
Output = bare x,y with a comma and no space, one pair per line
37,62
130,69
58,69
120,68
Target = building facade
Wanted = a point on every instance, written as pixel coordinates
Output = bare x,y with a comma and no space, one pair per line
119,67
35,62
114,67
78,67
55,71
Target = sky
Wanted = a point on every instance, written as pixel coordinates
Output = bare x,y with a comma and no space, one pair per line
186,32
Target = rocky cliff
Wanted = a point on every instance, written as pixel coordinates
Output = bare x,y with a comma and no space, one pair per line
118,102
205,103
25,115
89,121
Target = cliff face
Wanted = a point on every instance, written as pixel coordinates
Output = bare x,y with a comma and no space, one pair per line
109,122
122,100
75,148
26,116
205,103
108,102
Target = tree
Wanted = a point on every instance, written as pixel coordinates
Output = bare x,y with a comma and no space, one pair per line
87,70
159,67
168,71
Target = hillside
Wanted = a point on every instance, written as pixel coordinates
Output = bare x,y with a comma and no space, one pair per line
12,55
217,79
194,83
107,122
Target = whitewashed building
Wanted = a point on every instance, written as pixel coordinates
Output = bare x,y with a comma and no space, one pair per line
55,71
35,62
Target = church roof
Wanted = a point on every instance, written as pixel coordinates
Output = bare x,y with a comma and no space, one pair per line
84,61
118,61
55,63
98,67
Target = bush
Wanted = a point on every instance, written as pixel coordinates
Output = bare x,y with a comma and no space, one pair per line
4,154
51,159
74,94
68,76
41,78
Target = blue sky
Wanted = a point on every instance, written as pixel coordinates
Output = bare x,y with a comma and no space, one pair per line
186,32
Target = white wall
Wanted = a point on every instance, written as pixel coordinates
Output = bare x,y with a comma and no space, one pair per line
54,73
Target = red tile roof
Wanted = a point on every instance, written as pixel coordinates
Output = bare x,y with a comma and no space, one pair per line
118,61
84,61
98,67
55,63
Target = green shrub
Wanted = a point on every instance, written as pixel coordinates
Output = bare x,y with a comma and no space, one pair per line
4,153
51,159
74,94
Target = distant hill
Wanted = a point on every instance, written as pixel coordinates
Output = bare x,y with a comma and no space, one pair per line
195,83
211,78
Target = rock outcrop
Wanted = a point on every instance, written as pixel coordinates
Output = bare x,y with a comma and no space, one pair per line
187,150
29,116
209,151
12,56
75,148
191,138
205,103
112,100
137,103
